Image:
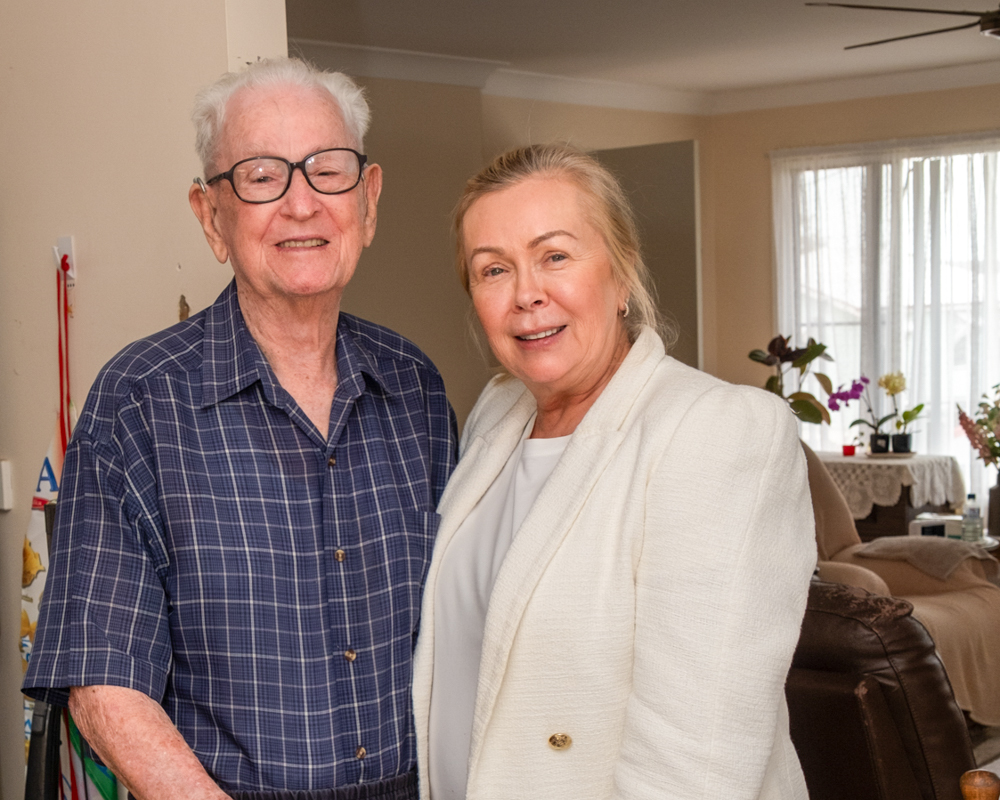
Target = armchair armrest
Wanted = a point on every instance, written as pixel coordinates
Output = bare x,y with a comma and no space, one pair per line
846,738
852,575
903,579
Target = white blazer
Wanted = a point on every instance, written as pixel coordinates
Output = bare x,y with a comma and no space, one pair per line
644,619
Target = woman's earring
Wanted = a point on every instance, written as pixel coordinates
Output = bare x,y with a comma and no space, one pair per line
625,310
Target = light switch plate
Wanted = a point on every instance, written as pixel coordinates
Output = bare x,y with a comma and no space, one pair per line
6,487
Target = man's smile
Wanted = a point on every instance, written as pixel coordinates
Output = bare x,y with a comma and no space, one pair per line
303,243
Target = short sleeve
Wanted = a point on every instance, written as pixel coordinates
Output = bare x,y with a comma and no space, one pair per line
103,618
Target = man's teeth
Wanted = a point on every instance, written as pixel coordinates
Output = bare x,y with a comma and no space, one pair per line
542,335
305,243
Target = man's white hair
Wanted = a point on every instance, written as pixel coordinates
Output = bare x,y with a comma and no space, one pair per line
209,114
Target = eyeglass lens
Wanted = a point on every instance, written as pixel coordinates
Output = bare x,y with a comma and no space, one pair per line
262,179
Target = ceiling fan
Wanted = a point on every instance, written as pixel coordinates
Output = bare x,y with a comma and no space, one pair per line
988,21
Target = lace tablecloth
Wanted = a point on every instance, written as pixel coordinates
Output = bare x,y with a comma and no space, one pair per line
866,480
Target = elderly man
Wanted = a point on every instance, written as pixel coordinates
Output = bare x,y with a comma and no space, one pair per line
248,502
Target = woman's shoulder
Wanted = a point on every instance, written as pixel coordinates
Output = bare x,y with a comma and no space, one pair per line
496,401
674,379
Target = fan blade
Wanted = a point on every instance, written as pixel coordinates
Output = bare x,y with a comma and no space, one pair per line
913,36
903,8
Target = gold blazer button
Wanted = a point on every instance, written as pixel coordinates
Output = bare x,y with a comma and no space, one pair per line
560,741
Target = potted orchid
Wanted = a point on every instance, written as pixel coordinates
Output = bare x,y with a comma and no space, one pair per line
786,359
894,383
878,442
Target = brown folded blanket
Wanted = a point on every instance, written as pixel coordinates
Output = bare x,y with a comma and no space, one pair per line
935,556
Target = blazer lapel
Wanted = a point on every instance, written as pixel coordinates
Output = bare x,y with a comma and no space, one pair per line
482,460
594,444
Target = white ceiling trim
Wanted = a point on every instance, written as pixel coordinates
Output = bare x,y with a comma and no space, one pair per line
605,94
381,62
495,78
925,80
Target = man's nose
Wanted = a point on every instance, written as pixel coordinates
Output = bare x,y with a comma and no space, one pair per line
300,198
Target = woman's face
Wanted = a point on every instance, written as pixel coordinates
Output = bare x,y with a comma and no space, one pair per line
541,282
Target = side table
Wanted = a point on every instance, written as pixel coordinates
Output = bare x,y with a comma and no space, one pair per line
886,493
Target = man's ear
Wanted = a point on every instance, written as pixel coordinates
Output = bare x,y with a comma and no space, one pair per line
373,188
204,210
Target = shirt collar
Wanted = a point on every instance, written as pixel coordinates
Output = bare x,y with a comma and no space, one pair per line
232,361
355,359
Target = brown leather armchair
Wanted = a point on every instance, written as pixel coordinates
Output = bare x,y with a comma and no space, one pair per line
962,613
871,711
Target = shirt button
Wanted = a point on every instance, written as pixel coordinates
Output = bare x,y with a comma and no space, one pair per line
339,555
350,655
331,461
361,752
560,741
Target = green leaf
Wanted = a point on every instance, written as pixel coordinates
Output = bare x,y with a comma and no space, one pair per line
773,385
823,413
759,356
806,411
825,382
884,419
861,422
912,414
813,351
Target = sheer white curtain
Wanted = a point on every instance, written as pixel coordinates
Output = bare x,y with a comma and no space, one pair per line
887,253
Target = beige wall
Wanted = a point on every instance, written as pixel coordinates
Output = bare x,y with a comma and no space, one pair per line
95,101
426,137
737,257
511,122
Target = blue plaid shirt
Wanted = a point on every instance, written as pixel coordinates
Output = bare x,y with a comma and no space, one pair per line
214,552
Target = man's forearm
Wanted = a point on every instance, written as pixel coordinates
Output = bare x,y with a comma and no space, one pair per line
136,739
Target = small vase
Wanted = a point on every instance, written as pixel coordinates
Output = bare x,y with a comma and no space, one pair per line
993,520
849,449
901,442
879,442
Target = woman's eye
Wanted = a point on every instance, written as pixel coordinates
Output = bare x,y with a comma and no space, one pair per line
557,257
492,272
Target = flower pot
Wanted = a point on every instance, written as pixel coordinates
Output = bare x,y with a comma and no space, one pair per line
901,442
848,449
879,442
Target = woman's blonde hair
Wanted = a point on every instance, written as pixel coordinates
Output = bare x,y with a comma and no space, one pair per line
610,212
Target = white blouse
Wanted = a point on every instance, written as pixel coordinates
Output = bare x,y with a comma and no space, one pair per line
468,570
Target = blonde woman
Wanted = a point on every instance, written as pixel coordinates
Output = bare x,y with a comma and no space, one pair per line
626,544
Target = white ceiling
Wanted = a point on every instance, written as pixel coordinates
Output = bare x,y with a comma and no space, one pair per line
688,50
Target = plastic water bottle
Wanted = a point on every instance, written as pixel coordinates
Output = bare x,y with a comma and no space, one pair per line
972,521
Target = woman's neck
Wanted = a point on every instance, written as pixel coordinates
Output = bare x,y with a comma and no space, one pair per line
559,413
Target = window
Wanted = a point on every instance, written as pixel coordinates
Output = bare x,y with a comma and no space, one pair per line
888,254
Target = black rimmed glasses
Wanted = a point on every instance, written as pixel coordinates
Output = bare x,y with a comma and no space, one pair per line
264,179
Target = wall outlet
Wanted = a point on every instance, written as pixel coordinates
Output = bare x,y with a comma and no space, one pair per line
65,248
